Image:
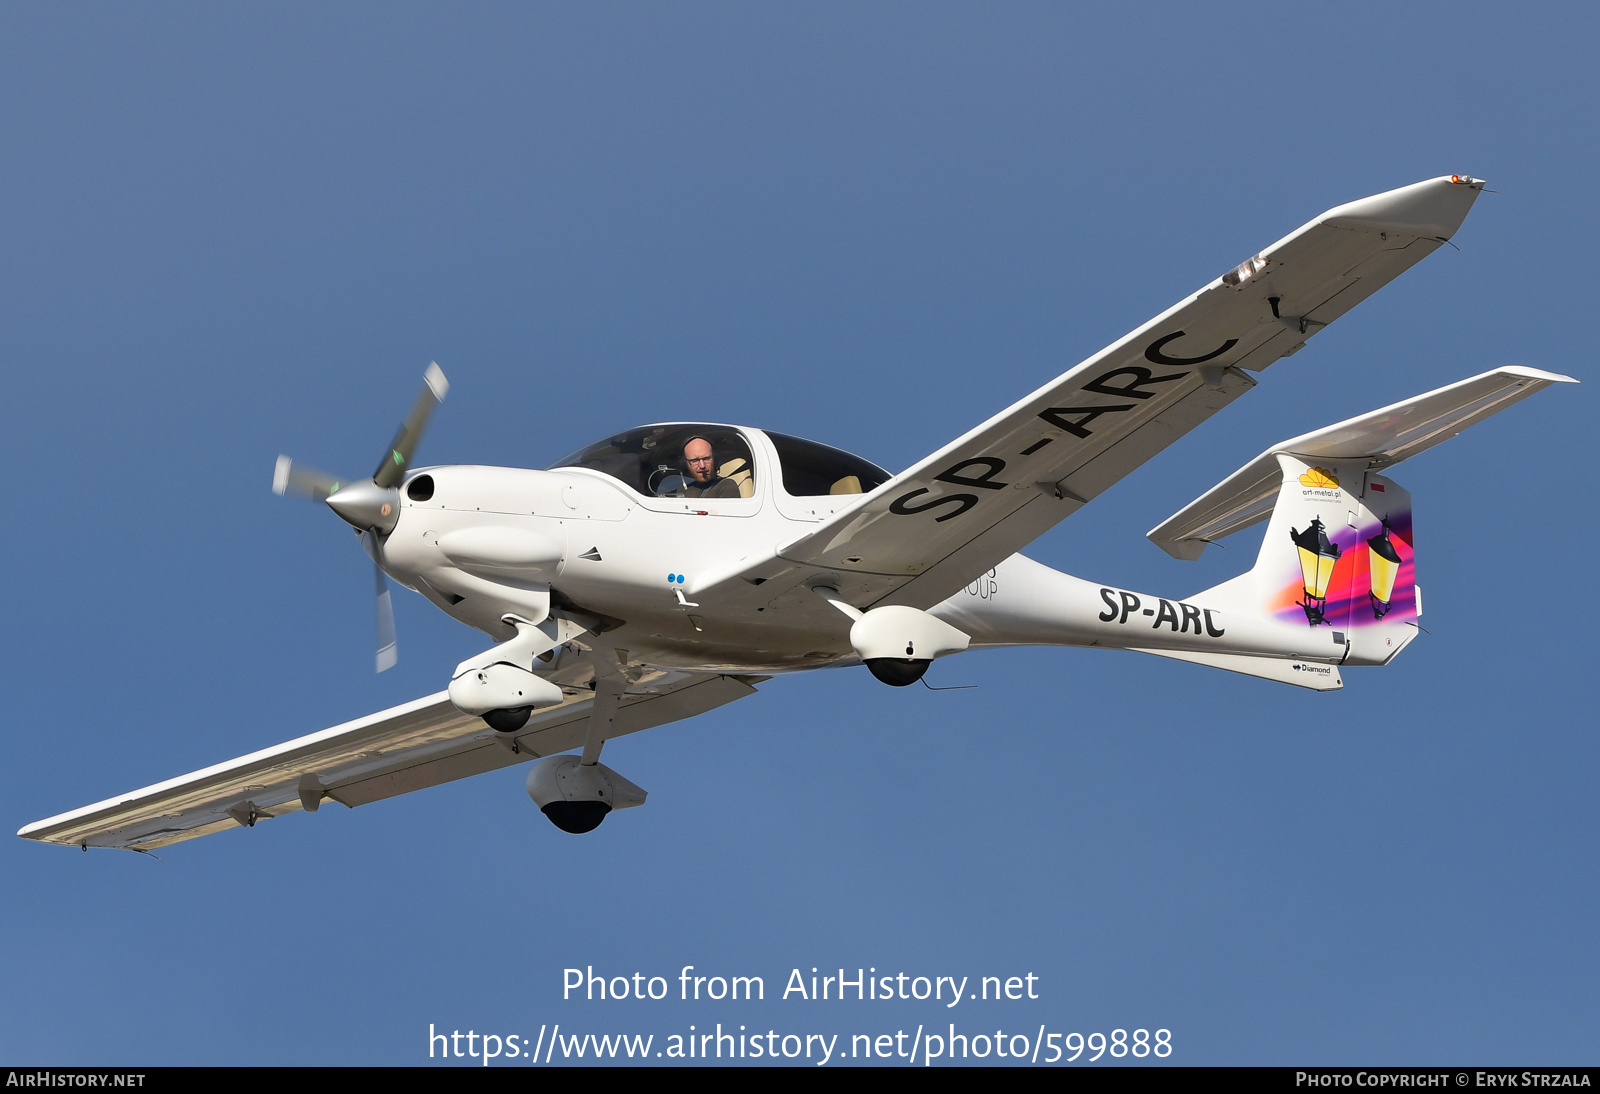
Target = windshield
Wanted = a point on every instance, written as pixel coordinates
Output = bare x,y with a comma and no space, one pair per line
811,469
674,461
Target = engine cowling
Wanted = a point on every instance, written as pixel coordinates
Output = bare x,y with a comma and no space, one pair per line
576,797
512,555
898,643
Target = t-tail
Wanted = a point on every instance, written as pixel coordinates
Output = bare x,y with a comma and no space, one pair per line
1335,582
1339,552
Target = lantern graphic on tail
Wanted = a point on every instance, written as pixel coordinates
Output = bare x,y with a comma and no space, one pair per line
1317,558
1384,562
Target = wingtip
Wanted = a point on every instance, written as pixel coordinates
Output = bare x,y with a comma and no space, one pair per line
1540,374
31,831
280,475
1433,208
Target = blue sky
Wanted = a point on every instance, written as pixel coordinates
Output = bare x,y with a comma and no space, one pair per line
232,231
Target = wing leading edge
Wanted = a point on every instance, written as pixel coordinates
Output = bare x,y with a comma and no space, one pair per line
925,533
415,745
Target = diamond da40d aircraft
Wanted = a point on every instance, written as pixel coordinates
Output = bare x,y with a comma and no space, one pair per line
666,570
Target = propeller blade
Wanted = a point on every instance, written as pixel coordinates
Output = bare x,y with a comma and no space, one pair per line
388,641
372,505
289,477
404,445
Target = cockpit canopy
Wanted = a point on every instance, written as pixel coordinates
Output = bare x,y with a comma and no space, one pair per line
715,461
652,460
811,470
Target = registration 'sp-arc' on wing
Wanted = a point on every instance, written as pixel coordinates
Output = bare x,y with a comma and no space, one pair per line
984,496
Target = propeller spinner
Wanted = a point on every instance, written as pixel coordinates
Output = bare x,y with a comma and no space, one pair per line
371,506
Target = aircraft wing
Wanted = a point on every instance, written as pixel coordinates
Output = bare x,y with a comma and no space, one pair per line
984,496
417,744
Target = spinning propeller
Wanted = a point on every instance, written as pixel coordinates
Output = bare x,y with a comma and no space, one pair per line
371,506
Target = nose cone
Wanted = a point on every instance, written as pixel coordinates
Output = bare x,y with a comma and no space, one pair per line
366,505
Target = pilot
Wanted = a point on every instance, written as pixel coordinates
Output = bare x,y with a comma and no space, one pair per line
702,480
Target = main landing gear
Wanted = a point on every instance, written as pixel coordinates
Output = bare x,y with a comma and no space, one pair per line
575,792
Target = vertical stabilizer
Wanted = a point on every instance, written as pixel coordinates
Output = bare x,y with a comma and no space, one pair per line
1337,554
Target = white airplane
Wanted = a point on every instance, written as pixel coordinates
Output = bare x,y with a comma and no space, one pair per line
666,570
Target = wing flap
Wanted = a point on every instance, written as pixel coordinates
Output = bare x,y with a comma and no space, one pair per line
546,737
1045,509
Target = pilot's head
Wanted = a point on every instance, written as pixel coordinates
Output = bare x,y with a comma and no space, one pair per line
697,457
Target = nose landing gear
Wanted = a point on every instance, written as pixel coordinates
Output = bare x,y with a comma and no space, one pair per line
499,686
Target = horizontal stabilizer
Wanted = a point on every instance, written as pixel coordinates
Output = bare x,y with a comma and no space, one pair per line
1302,674
1383,438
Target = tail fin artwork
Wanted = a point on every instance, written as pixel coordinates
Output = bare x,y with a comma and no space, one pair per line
1339,552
